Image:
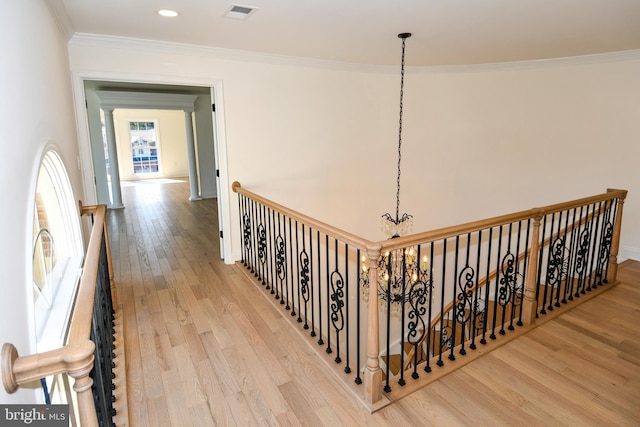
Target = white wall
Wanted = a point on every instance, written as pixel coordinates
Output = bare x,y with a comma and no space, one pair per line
478,141
171,137
36,109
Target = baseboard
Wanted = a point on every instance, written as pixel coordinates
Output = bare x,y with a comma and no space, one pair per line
629,252
211,195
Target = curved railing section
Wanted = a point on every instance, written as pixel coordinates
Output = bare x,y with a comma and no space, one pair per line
393,312
89,356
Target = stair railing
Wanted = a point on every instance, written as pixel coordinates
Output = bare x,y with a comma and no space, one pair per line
88,354
435,295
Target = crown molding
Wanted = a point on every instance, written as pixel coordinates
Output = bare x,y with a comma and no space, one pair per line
598,58
59,13
126,43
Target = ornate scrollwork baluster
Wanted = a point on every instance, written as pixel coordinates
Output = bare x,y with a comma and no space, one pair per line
464,300
246,235
558,263
507,280
511,287
605,250
417,326
584,240
262,249
304,282
337,304
281,265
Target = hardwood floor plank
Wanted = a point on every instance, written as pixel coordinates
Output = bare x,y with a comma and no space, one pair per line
220,411
159,412
175,397
221,367
301,407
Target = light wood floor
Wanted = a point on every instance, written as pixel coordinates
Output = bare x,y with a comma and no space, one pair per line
205,347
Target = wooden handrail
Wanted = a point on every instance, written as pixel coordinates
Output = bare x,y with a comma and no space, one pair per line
80,328
344,236
428,236
470,227
76,357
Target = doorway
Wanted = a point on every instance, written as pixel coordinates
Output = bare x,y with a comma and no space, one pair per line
210,181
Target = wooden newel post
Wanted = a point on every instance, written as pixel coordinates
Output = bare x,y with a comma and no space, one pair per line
530,305
372,377
86,404
612,268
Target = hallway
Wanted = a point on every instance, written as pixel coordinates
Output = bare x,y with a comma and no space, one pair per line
205,347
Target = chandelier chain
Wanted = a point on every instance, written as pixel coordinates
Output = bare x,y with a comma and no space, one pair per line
400,133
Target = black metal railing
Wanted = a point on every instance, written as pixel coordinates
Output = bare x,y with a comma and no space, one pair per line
440,294
102,334
311,272
576,258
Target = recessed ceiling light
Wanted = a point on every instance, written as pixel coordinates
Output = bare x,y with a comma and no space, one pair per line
239,12
168,13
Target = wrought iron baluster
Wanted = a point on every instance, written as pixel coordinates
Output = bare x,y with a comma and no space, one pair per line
595,225
337,302
347,368
518,292
281,266
428,329
359,279
418,294
312,288
606,236
443,339
487,287
328,293
401,380
475,315
573,254
262,246
305,280
567,259
497,289
542,304
299,283
272,251
582,252
613,221
319,274
288,278
254,242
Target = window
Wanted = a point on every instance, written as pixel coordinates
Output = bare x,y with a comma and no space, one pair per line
144,147
57,253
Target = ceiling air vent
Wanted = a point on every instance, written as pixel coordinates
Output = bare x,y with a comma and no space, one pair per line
239,12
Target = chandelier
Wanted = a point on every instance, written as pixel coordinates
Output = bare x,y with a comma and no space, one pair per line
400,275
401,278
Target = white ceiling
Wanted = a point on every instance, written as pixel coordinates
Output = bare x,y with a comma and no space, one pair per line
445,32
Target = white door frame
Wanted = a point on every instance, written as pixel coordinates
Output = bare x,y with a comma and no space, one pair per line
219,138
